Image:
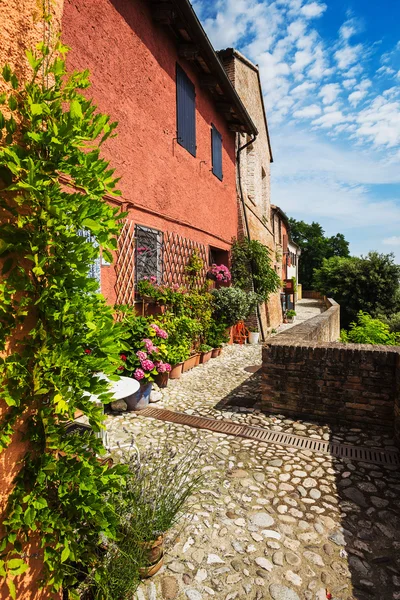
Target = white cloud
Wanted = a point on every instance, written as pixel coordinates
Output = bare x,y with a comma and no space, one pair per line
303,88
348,55
330,119
379,122
392,241
356,97
313,10
329,92
308,112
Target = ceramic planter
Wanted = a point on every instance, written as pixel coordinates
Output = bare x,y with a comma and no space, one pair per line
139,399
191,362
290,320
254,337
176,371
162,380
216,352
205,357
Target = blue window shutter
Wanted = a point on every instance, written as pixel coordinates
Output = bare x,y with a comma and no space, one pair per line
185,111
216,152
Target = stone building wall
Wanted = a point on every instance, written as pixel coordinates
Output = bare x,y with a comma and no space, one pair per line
255,167
308,374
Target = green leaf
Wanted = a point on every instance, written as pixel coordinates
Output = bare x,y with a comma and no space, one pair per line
65,553
36,109
76,110
11,589
3,98
6,72
12,102
14,82
92,225
2,121
17,566
3,246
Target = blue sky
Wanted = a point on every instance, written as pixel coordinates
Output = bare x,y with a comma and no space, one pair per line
331,79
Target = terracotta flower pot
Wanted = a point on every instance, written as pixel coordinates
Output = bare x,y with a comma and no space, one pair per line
139,399
162,380
216,352
176,371
191,362
153,557
205,357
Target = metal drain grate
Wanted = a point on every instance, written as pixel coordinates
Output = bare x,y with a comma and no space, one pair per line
370,455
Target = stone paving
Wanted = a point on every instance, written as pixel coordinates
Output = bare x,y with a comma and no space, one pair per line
271,522
305,309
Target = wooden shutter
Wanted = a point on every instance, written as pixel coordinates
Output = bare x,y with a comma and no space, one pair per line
216,152
185,111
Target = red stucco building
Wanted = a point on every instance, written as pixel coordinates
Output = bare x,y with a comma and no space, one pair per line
154,70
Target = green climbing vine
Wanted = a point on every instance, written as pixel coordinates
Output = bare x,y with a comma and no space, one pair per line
48,129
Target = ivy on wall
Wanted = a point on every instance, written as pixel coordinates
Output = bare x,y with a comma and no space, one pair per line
65,330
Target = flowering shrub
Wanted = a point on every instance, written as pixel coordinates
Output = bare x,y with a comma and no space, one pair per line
148,353
233,304
219,273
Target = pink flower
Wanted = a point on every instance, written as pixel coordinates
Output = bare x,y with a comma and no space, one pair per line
163,367
148,345
153,279
138,374
147,365
121,368
123,357
141,355
155,327
88,351
162,334
155,350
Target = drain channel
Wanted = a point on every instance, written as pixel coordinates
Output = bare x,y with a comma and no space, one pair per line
370,455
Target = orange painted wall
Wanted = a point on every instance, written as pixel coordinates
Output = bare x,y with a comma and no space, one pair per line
132,62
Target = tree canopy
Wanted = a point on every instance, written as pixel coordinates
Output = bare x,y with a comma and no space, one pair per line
369,283
315,247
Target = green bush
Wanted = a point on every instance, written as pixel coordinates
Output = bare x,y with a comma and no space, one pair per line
233,304
216,335
252,268
369,331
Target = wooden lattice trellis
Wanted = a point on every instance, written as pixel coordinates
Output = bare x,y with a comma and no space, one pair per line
125,265
177,252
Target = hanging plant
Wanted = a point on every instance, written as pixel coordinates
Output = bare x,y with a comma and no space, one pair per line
45,291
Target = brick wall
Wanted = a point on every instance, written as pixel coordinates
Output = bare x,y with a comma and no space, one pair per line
307,374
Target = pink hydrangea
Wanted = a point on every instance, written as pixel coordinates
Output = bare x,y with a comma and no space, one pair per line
148,345
147,365
163,367
153,279
141,355
138,374
162,334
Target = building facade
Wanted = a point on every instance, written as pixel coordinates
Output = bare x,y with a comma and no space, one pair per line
155,72
254,158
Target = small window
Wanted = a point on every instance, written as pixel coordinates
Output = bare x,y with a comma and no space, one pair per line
148,253
216,152
185,111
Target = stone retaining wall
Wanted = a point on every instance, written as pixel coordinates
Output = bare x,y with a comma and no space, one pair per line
308,374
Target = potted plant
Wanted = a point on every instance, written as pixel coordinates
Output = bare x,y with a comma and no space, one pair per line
219,273
216,336
145,361
159,486
177,354
205,353
232,305
254,335
290,315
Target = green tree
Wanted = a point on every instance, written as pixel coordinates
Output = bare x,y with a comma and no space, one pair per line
45,292
252,268
315,246
370,284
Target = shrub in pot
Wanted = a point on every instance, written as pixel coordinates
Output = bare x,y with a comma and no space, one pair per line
205,353
290,315
216,336
233,304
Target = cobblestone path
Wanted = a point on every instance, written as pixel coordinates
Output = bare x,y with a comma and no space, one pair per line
272,522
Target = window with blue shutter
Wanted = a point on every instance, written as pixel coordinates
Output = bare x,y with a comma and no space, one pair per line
185,111
216,152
